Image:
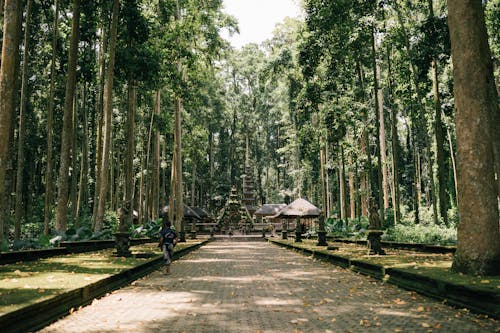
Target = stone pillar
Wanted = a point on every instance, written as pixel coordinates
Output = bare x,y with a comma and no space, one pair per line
122,243
298,231
321,232
374,242
284,234
182,236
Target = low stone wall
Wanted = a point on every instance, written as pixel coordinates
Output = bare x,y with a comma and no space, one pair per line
64,248
404,246
476,299
38,315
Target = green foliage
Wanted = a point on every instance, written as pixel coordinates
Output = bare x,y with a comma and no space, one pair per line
4,245
420,233
352,228
150,229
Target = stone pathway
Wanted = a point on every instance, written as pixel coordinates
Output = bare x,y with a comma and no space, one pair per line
258,287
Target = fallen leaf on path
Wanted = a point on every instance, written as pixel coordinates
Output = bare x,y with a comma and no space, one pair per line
425,325
364,322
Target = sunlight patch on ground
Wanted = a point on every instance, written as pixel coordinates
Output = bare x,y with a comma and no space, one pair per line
238,279
389,312
207,260
277,301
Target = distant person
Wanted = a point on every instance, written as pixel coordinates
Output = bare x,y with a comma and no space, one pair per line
168,239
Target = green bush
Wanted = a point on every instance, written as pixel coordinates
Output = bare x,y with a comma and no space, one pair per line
421,233
150,229
352,228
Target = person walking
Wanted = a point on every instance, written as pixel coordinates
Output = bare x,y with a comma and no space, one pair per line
168,240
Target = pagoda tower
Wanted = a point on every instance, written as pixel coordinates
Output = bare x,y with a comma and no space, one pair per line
248,199
234,215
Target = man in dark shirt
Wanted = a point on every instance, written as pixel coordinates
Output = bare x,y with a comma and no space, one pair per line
168,239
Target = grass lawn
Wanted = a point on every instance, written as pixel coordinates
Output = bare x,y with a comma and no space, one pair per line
433,265
25,283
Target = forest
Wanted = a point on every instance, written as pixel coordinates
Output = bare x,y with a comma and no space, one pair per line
129,105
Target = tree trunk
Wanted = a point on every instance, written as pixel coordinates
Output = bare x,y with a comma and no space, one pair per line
452,156
438,129
163,176
432,192
83,190
108,113
322,159
147,178
193,185
22,124
343,201
74,162
63,179
8,83
140,211
177,182
381,187
128,205
155,202
478,248
352,188
100,116
50,124
381,136
394,148
365,151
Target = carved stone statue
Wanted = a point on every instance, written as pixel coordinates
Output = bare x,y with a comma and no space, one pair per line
374,218
374,233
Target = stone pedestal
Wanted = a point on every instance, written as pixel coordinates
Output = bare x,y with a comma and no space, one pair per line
322,239
298,236
182,237
284,234
122,243
373,242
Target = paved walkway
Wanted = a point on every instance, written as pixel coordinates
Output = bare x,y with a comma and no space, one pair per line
258,287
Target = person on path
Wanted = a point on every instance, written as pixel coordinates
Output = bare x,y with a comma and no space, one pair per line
168,239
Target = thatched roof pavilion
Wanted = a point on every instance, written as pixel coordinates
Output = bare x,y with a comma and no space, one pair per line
188,212
300,208
269,209
202,213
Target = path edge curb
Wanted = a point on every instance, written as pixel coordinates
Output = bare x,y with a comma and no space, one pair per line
475,299
39,315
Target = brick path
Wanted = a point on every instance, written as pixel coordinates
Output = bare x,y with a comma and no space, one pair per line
259,287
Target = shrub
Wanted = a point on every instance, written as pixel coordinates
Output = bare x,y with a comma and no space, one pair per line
420,233
351,228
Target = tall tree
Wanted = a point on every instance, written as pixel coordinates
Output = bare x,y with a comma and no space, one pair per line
22,124
50,123
156,160
478,248
63,179
108,113
9,65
